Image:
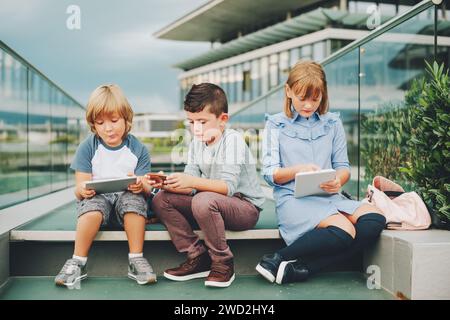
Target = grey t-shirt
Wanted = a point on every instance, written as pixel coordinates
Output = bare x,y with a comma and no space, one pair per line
228,160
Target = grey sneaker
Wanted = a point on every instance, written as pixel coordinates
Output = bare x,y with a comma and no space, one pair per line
140,270
71,272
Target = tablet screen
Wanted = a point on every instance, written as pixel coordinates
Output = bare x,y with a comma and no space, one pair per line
110,185
308,183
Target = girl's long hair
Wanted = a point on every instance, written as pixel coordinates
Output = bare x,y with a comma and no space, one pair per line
307,80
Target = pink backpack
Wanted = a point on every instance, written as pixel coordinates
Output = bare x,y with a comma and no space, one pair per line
403,210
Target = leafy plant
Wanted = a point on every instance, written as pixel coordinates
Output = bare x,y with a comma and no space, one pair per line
429,166
410,143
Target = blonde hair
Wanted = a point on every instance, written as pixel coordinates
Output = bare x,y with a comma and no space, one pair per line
106,100
307,79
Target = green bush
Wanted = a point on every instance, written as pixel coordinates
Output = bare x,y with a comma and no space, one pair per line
410,143
429,166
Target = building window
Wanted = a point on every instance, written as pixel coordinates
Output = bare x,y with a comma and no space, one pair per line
264,75
294,56
273,70
247,82
283,66
319,51
387,9
336,44
306,52
239,82
224,80
211,77
232,85
256,82
217,77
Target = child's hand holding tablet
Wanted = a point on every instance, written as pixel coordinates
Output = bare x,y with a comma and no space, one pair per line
332,186
318,182
111,185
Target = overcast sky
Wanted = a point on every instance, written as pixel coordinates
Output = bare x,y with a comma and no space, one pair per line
114,45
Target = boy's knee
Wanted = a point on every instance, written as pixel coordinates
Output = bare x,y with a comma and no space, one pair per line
204,202
159,200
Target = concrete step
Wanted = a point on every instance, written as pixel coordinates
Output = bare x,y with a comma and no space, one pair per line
40,247
59,224
413,264
341,285
110,258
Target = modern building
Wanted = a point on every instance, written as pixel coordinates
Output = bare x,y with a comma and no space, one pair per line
255,43
251,56
157,125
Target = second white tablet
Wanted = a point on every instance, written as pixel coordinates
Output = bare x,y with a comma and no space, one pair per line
308,183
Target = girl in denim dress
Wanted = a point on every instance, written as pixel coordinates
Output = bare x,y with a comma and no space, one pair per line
318,230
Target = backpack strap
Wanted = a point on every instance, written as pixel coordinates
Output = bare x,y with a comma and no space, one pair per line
393,193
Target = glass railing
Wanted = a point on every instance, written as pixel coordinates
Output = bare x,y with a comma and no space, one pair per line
40,129
367,83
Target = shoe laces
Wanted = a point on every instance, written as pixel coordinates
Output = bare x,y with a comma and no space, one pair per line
190,262
219,268
141,265
71,266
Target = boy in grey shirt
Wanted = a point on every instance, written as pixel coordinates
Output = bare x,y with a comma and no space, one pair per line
218,190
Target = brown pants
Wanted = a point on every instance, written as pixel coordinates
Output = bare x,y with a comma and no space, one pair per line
212,212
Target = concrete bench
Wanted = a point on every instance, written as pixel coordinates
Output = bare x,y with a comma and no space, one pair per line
60,224
413,264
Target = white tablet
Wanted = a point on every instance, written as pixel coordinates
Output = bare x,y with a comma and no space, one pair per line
111,185
308,183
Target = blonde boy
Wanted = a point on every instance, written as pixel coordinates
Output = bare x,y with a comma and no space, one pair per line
110,152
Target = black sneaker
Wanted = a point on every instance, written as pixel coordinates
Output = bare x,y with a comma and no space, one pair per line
268,266
289,272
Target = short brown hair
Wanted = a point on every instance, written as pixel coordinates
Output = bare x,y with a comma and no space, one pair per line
106,100
307,79
206,94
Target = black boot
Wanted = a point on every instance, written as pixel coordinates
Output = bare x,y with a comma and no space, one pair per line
289,272
268,266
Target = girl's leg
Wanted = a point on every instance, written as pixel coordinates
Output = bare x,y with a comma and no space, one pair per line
87,228
333,234
360,211
134,225
368,225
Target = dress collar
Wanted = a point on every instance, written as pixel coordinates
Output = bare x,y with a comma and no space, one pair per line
297,117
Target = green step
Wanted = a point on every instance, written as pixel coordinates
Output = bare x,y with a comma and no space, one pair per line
333,285
64,219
